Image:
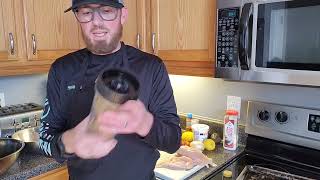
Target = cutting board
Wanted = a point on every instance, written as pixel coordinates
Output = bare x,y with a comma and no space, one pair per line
168,174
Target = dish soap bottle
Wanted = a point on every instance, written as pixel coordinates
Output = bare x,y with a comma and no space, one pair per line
230,131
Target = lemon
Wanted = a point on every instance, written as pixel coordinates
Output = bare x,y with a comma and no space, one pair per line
227,173
209,144
187,136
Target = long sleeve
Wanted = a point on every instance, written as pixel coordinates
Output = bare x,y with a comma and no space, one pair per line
52,123
165,133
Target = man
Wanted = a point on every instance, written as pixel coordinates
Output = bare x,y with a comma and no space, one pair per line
141,126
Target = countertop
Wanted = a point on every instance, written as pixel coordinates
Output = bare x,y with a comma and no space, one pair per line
219,157
29,165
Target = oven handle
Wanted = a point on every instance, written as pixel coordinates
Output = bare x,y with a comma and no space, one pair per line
245,36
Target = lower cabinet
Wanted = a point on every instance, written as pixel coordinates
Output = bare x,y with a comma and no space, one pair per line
57,174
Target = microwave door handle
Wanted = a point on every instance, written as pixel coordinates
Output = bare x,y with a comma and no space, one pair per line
244,35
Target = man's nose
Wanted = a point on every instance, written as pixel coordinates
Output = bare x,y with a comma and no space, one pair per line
97,20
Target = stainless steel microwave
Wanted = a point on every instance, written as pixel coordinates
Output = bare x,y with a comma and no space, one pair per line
272,41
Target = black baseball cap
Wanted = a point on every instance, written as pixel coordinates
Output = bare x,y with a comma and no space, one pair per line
112,3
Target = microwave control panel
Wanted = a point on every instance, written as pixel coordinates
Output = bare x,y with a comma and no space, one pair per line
227,37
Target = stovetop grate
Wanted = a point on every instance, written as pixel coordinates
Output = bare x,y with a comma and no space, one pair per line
253,172
18,108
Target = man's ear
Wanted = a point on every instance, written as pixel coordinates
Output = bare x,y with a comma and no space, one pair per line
124,15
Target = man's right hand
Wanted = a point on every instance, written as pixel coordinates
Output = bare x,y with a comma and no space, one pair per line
85,144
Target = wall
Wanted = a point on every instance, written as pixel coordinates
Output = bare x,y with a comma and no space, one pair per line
199,95
207,96
24,89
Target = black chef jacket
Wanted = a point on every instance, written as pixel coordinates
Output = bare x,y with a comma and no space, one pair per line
70,91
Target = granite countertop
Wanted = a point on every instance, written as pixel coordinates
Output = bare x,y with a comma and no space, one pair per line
219,157
32,164
29,165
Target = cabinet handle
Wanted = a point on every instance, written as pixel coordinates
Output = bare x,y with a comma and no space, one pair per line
11,43
138,41
34,44
153,42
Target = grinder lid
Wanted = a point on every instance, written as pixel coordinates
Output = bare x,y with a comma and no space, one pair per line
117,86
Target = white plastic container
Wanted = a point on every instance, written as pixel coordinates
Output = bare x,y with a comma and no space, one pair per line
230,130
200,132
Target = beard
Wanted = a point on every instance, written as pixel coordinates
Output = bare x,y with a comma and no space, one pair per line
103,46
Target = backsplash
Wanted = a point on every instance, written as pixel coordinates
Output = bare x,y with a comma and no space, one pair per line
215,126
203,96
24,89
207,97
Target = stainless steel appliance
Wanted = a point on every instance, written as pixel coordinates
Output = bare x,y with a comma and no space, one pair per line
273,41
30,136
19,116
283,143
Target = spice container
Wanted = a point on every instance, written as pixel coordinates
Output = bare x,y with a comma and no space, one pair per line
188,122
230,132
113,87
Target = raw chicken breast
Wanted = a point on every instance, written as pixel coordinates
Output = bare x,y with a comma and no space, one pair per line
196,155
184,159
177,163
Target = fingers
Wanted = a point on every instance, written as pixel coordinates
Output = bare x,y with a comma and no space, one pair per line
126,119
99,150
132,105
115,119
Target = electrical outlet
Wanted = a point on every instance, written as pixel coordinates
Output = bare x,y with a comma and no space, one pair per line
2,102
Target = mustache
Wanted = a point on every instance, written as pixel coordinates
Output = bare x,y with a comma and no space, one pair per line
99,28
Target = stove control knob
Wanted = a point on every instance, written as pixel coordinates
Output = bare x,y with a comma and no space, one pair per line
264,115
282,117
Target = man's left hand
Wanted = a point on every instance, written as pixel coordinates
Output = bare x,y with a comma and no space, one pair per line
130,117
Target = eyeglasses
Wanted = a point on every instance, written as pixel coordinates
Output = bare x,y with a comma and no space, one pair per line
86,14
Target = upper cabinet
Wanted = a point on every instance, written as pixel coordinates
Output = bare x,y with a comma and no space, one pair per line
33,33
183,35
134,29
12,37
50,33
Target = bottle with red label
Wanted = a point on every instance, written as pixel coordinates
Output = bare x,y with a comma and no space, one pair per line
230,130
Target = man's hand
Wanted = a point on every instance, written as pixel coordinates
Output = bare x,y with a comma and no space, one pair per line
131,117
85,144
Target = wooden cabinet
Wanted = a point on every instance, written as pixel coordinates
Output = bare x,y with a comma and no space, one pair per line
50,33
57,174
34,33
134,29
12,39
183,35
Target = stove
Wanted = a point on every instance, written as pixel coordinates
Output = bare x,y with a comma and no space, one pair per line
283,143
19,116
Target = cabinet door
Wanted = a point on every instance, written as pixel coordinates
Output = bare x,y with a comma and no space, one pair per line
51,33
12,38
134,29
184,35
57,174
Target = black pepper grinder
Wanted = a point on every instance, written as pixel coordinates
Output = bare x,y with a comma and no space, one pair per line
112,88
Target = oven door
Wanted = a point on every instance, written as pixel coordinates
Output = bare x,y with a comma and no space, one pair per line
279,42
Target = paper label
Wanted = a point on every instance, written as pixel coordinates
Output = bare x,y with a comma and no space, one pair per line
229,134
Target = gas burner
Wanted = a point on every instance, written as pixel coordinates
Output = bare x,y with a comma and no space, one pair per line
254,172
